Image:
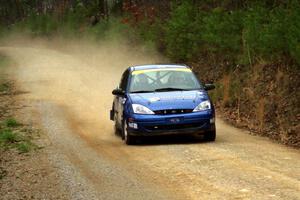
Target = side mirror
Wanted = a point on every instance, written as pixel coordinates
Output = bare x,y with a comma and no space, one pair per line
209,87
118,92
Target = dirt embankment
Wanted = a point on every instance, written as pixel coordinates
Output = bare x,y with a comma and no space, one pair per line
264,98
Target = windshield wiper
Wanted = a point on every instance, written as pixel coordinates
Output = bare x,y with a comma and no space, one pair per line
142,91
169,89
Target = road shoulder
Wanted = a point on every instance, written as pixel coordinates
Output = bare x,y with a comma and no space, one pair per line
25,169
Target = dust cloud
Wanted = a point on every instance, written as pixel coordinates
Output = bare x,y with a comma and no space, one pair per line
77,75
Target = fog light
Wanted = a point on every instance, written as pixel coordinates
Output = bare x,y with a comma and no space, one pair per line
133,125
212,120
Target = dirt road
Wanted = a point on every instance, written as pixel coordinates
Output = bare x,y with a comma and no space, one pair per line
69,86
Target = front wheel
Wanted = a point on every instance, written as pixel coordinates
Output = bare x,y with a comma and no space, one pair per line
210,136
117,130
128,139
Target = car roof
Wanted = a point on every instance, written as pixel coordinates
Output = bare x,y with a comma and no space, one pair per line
156,66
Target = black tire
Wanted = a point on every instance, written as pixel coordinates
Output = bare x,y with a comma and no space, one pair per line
210,136
128,139
117,130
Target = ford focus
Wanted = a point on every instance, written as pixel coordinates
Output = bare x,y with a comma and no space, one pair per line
162,100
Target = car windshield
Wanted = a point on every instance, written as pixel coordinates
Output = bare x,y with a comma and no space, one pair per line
162,80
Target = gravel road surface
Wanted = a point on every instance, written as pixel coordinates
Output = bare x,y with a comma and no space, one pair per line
70,84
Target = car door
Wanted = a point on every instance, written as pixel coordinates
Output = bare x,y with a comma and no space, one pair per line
120,100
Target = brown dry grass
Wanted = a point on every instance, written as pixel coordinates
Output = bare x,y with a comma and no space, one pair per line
260,113
226,86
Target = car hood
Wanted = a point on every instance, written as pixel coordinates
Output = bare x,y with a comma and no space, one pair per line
169,100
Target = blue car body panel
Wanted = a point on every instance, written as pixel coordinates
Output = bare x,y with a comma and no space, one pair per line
173,110
170,100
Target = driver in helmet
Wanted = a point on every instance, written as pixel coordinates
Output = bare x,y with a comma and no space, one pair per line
177,78
141,82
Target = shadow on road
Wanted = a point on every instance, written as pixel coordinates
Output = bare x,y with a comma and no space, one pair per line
169,140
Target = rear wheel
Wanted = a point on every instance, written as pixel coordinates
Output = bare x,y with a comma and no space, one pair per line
128,139
210,136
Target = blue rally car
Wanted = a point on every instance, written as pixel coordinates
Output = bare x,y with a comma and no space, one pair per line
161,100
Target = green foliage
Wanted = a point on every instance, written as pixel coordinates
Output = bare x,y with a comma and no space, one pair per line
24,147
182,35
241,35
11,123
4,87
3,61
40,24
148,32
2,31
151,34
7,136
218,93
257,33
190,31
111,30
12,138
72,22
48,24
292,31
272,33
99,30
222,31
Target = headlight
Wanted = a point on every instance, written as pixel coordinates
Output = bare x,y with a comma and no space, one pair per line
139,109
205,105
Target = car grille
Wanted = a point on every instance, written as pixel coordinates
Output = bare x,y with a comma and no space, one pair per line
173,111
175,126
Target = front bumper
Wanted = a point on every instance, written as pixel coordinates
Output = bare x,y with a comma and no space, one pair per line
191,123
